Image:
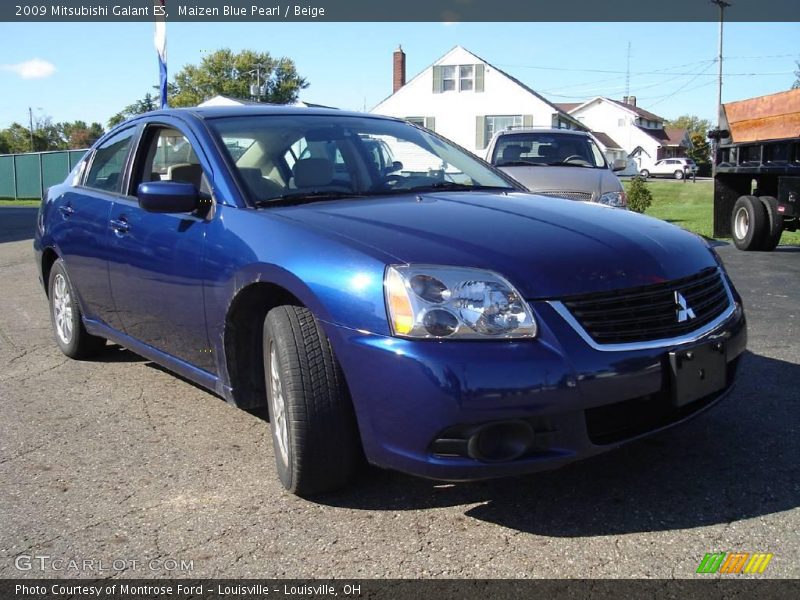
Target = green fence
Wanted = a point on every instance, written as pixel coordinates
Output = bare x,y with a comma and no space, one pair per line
28,175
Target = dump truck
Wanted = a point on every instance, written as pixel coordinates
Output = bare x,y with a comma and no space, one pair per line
757,170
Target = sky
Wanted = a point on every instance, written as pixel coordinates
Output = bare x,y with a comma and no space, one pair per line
89,71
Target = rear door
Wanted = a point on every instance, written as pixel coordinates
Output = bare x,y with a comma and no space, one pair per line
80,225
156,258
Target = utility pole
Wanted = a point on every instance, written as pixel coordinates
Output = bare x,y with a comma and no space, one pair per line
30,117
722,6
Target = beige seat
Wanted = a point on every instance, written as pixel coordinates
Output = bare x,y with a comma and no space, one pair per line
186,173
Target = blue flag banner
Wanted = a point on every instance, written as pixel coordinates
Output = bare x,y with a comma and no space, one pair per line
160,40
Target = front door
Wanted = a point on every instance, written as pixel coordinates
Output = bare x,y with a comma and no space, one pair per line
156,259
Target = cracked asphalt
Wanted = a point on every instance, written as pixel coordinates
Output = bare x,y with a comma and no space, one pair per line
116,459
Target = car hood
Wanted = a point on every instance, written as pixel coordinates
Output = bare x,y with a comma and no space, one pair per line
552,180
547,247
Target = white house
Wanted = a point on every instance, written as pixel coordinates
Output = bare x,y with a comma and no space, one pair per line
640,133
466,99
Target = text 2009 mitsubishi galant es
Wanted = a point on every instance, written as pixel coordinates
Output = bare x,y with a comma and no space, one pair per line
386,294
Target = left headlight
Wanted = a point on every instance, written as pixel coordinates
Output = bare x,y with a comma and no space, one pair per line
615,199
434,302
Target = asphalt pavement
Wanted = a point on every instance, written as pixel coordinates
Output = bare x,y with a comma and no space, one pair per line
120,463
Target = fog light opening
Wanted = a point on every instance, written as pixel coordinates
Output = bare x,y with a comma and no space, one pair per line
500,442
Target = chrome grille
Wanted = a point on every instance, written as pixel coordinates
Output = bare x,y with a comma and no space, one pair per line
660,311
582,196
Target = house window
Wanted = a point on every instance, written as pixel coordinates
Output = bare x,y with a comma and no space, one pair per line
621,123
448,78
458,78
495,123
466,78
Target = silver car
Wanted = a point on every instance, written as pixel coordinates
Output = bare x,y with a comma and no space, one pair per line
558,162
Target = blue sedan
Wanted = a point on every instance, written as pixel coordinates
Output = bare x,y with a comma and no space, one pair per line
385,294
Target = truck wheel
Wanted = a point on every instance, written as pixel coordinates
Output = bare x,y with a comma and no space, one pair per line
65,314
678,174
314,431
749,223
644,173
775,222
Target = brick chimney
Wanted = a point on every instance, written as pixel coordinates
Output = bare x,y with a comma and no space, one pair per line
398,69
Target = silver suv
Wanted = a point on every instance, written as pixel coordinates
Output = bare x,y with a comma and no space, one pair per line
671,167
558,162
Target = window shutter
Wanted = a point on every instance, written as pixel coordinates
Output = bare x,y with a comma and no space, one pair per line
480,132
430,123
479,69
437,80
527,120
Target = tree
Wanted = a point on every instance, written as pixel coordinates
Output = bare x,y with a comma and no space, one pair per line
691,124
77,134
796,84
697,129
146,104
639,196
17,139
231,74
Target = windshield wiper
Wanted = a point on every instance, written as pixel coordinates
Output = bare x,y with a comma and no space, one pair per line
303,197
561,163
452,185
519,163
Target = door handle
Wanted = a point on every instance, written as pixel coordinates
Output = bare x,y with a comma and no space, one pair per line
66,210
119,225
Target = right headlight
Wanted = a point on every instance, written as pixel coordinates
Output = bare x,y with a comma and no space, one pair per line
435,302
615,199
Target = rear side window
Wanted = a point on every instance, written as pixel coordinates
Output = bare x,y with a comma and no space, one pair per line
108,165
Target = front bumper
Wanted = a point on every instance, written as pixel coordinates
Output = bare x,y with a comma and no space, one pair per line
576,400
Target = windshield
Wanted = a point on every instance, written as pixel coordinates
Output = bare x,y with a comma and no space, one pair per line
286,157
548,149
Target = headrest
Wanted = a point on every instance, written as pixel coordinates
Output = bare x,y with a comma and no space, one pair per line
312,172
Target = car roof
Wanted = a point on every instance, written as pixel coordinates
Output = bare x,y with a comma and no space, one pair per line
516,131
215,112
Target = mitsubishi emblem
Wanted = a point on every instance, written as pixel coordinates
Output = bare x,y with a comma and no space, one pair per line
683,312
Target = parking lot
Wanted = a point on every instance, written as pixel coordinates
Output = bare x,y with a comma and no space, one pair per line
118,460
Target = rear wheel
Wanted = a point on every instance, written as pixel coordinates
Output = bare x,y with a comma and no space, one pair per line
65,315
774,222
313,425
749,223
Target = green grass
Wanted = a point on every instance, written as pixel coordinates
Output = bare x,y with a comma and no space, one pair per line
690,205
20,202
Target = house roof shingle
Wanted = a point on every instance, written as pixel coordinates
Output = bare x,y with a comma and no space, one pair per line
567,106
606,140
645,114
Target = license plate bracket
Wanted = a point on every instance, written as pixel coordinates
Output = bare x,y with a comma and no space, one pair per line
697,372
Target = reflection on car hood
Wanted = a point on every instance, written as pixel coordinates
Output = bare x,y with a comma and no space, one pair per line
566,179
548,247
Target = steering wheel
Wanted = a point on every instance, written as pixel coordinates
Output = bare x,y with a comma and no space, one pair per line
577,158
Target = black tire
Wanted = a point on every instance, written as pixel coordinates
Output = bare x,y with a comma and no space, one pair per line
775,224
65,316
321,447
749,223
678,174
644,173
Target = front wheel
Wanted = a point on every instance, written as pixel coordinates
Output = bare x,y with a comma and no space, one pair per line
644,173
749,223
314,431
678,174
65,315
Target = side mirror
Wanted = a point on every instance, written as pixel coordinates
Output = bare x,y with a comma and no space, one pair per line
619,165
168,197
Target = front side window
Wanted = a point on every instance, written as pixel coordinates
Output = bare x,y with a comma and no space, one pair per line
311,156
169,157
108,164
